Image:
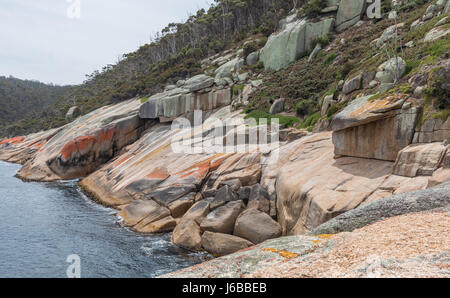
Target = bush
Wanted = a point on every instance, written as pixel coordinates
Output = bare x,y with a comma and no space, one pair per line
288,121
250,48
311,120
439,87
312,8
305,107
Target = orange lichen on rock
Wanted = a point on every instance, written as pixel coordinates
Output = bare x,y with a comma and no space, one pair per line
78,145
13,140
200,170
284,253
159,173
106,135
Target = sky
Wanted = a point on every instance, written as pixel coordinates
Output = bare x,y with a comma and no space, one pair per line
60,41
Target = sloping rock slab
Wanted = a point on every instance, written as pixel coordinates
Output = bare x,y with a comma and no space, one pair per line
417,201
248,260
22,149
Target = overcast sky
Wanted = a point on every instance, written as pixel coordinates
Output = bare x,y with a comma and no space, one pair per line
44,40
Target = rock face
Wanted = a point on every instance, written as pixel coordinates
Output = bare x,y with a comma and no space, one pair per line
349,13
420,160
22,149
432,130
256,226
219,244
376,129
82,146
286,46
417,201
172,104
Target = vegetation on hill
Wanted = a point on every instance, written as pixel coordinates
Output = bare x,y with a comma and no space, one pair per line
174,54
24,104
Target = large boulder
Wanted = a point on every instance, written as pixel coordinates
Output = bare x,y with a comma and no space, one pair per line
419,159
259,199
223,218
286,46
228,68
219,244
197,212
224,195
417,201
187,234
374,128
73,113
256,226
391,70
277,107
197,83
352,84
349,13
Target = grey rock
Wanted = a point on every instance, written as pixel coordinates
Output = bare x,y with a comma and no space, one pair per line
286,46
199,82
187,234
327,102
224,195
412,202
352,84
277,107
259,199
222,219
219,244
314,53
73,113
256,226
197,212
252,58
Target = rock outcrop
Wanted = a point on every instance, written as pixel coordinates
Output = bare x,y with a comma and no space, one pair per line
194,95
82,146
286,46
375,128
349,13
392,237
23,148
411,202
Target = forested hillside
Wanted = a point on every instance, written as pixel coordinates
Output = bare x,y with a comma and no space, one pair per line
25,105
174,54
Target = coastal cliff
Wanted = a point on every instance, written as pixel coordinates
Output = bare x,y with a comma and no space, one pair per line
376,138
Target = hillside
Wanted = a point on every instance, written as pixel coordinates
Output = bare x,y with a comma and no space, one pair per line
22,103
174,54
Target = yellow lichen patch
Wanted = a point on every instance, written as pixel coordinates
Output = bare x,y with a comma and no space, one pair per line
325,236
284,253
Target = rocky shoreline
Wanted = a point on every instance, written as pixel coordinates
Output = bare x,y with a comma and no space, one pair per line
377,151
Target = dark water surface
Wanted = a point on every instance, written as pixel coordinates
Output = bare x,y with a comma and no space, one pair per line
41,224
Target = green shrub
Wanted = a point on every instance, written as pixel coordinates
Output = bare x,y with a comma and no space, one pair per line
312,8
250,48
288,121
310,121
305,107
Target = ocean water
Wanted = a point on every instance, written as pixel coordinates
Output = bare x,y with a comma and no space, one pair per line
41,224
